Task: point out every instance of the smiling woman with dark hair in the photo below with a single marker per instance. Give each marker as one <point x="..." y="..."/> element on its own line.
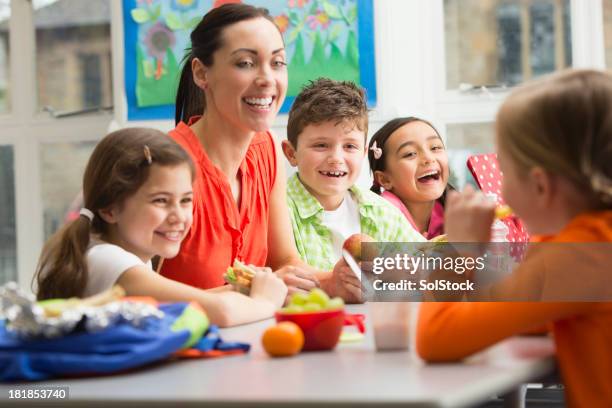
<point x="233" y="84"/>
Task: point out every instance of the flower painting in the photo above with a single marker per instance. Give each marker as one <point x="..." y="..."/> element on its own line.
<point x="323" y="38"/>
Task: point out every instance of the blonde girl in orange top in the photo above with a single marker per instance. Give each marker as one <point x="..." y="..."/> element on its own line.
<point x="554" y="143"/>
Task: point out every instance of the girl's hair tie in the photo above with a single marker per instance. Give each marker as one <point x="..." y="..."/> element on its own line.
<point x="87" y="214"/>
<point x="147" y="154"/>
<point x="377" y="151"/>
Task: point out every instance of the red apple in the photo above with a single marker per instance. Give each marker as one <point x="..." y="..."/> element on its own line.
<point x="353" y="245"/>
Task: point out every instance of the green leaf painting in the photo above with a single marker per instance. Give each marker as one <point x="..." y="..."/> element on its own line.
<point x="140" y="16"/>
<point x="321" y="40"/>
<point x="151" y="91"/>
<point x="332" y="10"/>
<point x="174" y="22"/>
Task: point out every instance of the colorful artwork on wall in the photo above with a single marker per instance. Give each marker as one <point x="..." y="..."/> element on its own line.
<point x="323" y="38"/>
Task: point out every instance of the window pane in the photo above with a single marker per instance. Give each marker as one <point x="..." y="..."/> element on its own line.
<point x="62" y="184"/>
<point x="505" y="42"/>
<point x="464" y="140"/>
<point x="8" y="237"/>
<point x="5" y="15"/>
<point x="73" y="54"/>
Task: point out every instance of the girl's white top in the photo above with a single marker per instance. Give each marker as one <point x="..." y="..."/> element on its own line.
<point x="105" y="264"/>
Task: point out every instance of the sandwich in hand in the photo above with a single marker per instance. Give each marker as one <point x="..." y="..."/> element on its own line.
<point x="240" y="276"/>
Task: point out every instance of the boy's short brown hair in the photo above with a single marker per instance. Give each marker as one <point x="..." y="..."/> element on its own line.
<point x="325" y="100"/>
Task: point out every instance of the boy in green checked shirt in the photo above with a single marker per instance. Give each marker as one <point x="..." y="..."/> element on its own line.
<point x="326" y="134"/>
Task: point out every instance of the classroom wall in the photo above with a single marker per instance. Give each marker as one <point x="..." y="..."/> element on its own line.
<point x="401" y="77"/>
<point x="411" y="70"/>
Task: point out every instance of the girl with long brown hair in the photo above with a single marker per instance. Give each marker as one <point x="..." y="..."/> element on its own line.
<point x="138" y="203"/>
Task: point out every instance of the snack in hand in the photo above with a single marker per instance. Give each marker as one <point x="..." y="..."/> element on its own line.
<point x="439" y="238"/>
<point x="502" y="212"/>
<point x="240" y="276"/>
<point x="353" y="245"/>
<point x="433" y="243"/>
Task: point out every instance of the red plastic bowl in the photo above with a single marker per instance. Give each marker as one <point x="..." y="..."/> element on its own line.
<point x="322" y="329"/>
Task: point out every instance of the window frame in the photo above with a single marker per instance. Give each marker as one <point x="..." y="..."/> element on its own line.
<point x="453" y="106"/>
<point x="26" y="130"/>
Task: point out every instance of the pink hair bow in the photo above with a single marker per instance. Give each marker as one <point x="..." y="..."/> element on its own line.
<point x="377" y="151"/>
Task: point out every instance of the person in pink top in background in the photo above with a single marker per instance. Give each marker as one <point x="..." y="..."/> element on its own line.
<point x="409" y="164"/>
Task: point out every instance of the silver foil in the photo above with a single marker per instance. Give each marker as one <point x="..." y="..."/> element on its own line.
<point x="27" y="319"/>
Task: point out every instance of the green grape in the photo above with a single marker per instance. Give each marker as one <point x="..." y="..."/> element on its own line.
<point x="318" y="296"/>
<point x="299" y="299"/>
<point x="292" y="309"/>
<point x="312" y="307"/>
<point x="335" y="303"/>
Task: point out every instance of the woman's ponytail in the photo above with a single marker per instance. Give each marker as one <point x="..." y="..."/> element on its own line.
<point x="62" y="268"/>
<point x="189" y="98"/>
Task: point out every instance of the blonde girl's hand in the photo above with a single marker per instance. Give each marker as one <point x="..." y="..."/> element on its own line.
<point x="267" y="286"/>
<point x="468" y="216"/>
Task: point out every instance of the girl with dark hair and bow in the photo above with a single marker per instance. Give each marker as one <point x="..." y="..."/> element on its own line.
<point x="409" y="165"/>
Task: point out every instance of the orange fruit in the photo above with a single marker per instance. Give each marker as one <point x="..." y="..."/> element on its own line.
<point x="283" y="339"/>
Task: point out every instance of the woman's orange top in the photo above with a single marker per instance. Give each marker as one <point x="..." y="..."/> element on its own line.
<point x="221" y="231"/>
<point x="582" y="330"/>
